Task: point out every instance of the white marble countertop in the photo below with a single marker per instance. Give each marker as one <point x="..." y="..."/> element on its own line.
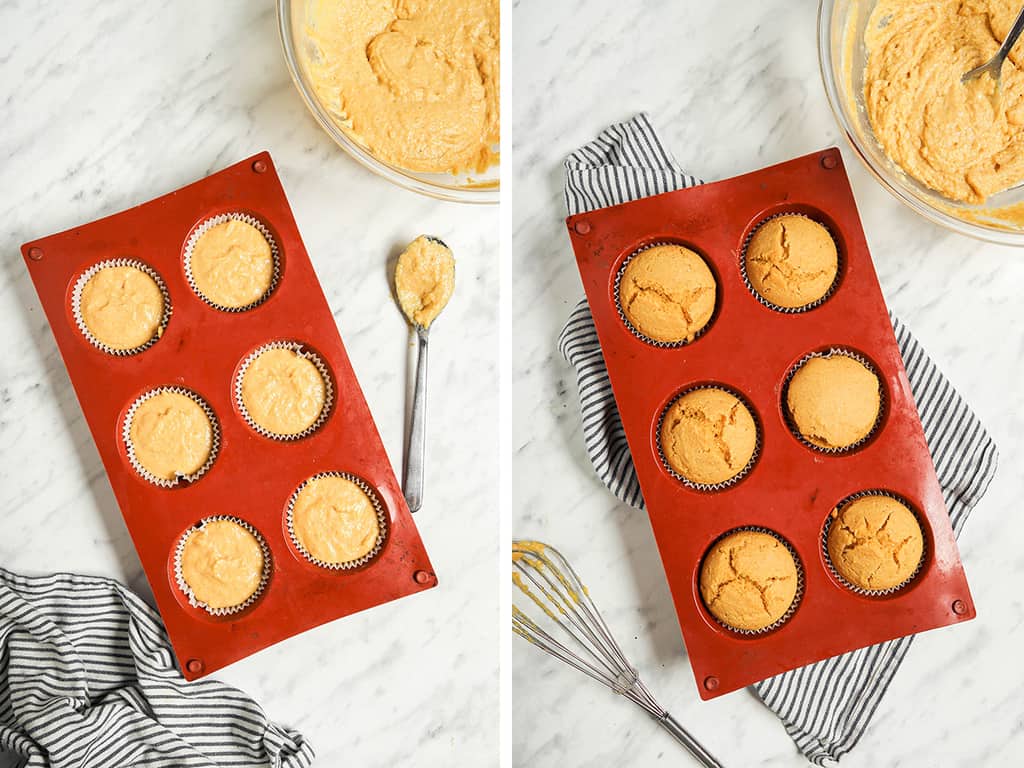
<point x="733" y="87"/>
<point x="106" y="105"/>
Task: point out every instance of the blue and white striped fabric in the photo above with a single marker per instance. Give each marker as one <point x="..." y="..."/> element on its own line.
<point x="87" y="680"/>
<point x="826" y="706"/>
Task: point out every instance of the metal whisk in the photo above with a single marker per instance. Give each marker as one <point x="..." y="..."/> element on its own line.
<point x="542" y="574"/>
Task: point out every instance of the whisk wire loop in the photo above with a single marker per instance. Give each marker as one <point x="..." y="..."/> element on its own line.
<point x="585" y="642"/>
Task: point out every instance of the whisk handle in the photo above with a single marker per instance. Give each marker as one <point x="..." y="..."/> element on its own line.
<point x="683" y="736"/>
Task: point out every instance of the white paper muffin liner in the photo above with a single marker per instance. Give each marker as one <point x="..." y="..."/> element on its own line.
<point x="204" y="227"/>
<point x="76" y="305"/>
<point x="791" y="422"/>
<point x="130" y="449"/>
<point x="829" y="519"/>
<point x="840" y="267"/>
<point x="382" y="523"/>
<point x="799" y="583"/>
<point x="186" y="590"/>
<point x="307" y="354"/>
<point x="709" y="487"/>
<point x="636" y="331"/>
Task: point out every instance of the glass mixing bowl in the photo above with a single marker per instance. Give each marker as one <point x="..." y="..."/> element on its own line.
<point x="475" y="188"/>
<point x="841" y="53"/>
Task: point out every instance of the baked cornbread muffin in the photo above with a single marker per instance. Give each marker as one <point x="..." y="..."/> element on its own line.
<point x="283" y="392"/>
<point x="334" y="520"/>
<point x="221" y="563"/>
<point x="875" y="542"/>
<point x="122" y="307"/>
<point x="834" y="401"/>
<point x="667" y="293"/>
<point x="170" y="435"/>
<point x="232" y="264"/>
<point x="424" y="279"/>
<point x="708" y="436"/>
<point x="749" y="580"/>
<point x="791" y="261"/>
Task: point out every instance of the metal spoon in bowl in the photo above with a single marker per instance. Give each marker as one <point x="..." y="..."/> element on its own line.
<point x="994" y="66"/>
<point x="424" y="281"/>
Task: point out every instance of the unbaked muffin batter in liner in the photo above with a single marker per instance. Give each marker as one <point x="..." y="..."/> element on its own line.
<point x="840" y="265"/>
<point x="636" y="331"/>
<point x="76" y="304"/>
<point x="708" y="487"/>
<point x="882" y="402"/>
<point x="130" y="451"/>
<point x="796" y="598"/>
<point x="208" y="224"/>
<point x="853" y="587"/>
<point x="382" y="523"/>
<point x="186" y="590"/>
<point x="307" y="354"/>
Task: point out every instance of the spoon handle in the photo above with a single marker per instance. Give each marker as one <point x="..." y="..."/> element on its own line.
<point x="1011" y="38"/>
<point x="415" y="454"/>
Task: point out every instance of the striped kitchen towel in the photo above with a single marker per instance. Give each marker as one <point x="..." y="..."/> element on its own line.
<point x="87" y="680"/>
<point x="825" y="706"/>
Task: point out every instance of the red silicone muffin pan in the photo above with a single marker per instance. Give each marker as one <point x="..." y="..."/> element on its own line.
<point x="252" y="477"/>
<point x="791" y="489"/>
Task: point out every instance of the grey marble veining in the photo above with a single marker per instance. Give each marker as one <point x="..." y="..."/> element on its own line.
<point x="733" y="87"/>
<point x="106" y="105"/>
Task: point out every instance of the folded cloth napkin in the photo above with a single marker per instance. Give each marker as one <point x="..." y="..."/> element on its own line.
<point x="87" y="679"/>
<point x="825" y="706"/>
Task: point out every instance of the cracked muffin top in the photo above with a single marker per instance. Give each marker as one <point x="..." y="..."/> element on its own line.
<point x="668" y="293"/>
<point x="791" y="261"/>
<point x="749" y="580"/>
<point x="875" y="542"/>
<point x="834" y="401"/>
<point x="708" y="436"/>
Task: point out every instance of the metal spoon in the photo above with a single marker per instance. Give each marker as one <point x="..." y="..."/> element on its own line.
<point x="994" y="66"/>
<point x="415" y="454"/>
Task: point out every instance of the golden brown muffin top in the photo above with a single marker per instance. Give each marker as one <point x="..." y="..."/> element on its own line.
<point x="875" y="542"/>
<point x="667" y="293"/>
<point x="791" y="261"/>
<point x="749" y="580"/>
<point x="708" y="436"/>
<point x="834" y="401"/>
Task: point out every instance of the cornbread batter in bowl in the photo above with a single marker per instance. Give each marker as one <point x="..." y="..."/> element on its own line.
<point x="667" y="293"/>
<point x="749" y="580"/>
<point x="121" y="307"/>
<point x="170" y="435"/>
<point x="875" y="542"/>
<point x="231" y="265"/>
<point x="414" y="82"/>
<point x="221" y="564"/>
<point x="963" y="140"/>
<point x="708" y="436"/>
<point x="424" y="279"/>
<point x="334" y="521"/>
<point x="283" y="392"/>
